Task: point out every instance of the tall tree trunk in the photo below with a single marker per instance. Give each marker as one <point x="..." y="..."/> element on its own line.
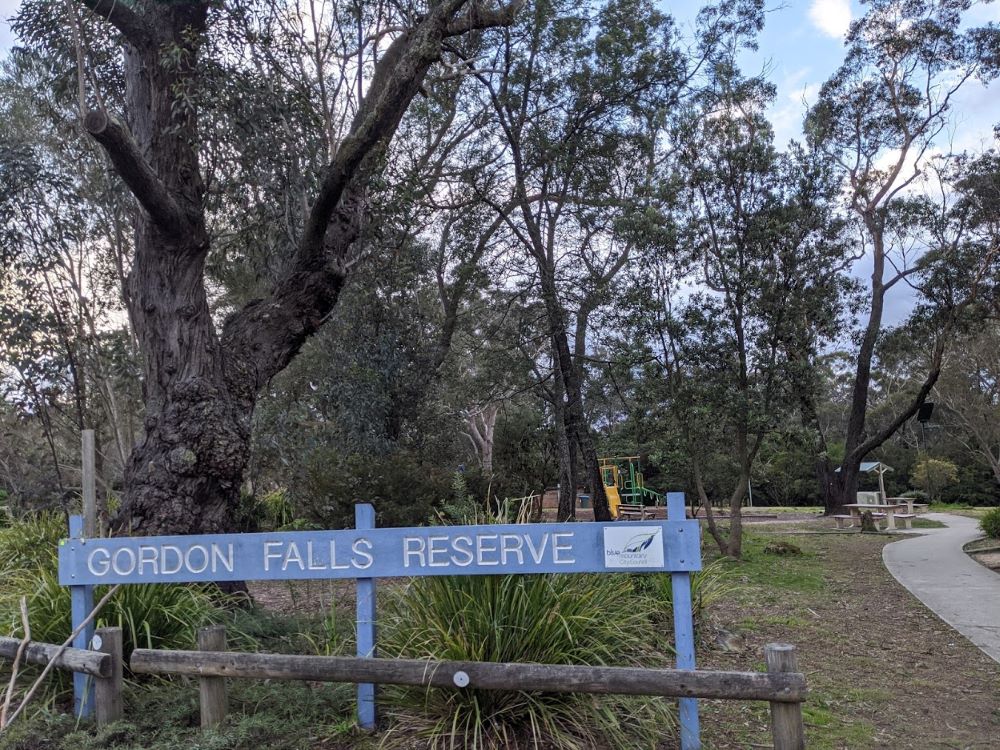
<point x="184" y="474"/>
<point x="201" y="386"/>
<point x="576" y="424"/>
<point x="566" y="450"/>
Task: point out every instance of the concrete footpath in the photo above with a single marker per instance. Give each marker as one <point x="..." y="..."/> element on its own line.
<point x="959" y="590"/>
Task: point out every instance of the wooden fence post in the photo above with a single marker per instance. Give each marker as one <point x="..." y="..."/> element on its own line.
<point x="684" y="646"/>
<point x="364" y="519"/>
<point x="81" y="605"/>
<point x="214" y="704"/>
<point x="786" y="718"/>
<point x="108" y="691"/>
<point x="89" y="484"/>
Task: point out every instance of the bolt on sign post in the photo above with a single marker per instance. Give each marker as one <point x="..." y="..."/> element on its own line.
<point x="367" y="553"/>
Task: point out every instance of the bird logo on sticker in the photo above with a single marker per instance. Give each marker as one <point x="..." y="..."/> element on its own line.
<point x="640" y="542"/>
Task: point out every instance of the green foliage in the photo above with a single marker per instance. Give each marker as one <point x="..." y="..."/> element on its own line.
<point x="30" y="542"/>
<point x="329" y="483"/>
<point x="542" y="619"/>
<point x="932" y="475"/>
<point x="276" y="508"/>
<point x="462" y="503"/>
<point x="151" y="616"/>
<point x="990" y="523"/>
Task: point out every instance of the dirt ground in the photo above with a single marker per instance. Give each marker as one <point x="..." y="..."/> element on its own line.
<point x="884" y="672"/>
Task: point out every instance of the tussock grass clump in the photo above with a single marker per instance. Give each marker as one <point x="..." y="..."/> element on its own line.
<point x="557" y="619"/>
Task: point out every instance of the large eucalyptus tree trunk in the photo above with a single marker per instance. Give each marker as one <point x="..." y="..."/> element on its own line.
<point x="201" y="384"/>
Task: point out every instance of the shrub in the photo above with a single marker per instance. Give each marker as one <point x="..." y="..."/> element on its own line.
<point x="990" y="523"/>
<point x="30" y="543"/>
<point x="933" y="475"/>
<point x="568" y="619"/>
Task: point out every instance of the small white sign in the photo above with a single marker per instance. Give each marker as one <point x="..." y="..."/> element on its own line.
<point x="629" y="546"/>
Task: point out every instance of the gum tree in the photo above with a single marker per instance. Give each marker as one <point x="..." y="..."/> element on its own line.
<point x="879" y="119"/>
<point x="202" y="379"/>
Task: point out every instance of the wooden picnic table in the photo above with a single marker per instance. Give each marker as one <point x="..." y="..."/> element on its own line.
<point x="890" y="511"/>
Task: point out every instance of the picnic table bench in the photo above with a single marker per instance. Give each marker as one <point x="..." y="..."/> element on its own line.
<point x="632" y="511"/>
<point x="890" y="512"/>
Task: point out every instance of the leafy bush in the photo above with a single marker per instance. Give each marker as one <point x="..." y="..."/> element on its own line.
<point x="990" y="523"/>
<point x="30" y="543"/>
<point x="572" y="619"/>
<point x="932" y="475"/>
<point x="328" y="484"/>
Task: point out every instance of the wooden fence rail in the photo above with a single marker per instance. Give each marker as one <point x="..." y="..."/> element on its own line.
<point x="104" y="665"/>
<point x="549" y="678"/>
<point x="782" y="686"/>
<point x="70" y="660"/>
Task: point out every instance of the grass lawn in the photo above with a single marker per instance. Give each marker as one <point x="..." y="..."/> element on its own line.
<point x="883" y="671"/>
<point x="972" y="511"/>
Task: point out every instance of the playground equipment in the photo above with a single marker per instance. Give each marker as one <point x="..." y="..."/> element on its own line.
<point x="624" y="484"/>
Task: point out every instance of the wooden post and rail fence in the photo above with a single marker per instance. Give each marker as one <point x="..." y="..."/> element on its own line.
<point x="782" y="685"/>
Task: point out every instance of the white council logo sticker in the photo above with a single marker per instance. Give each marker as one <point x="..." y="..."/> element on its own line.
<point x="630" y="546"/>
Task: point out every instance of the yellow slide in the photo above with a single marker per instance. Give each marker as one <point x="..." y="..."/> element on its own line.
<point x="614" y="500"/>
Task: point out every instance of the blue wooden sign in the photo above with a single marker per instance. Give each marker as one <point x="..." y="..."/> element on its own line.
<point x="385" y="553"/>
<point x="366" y="553"/>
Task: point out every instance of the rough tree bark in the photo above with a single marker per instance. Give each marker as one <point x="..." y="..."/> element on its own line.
<point x="201" y="384"/>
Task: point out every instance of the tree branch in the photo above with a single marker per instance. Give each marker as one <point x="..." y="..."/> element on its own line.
<point x="123" y="18"/>
<point x="262" y="338"/>
<point x="135" y="171"/>
<point x="479" y="17"/>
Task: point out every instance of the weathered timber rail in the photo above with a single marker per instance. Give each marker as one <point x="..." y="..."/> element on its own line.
<point x="549" y="678"/>
<point x="103" y="665"/>
<point x="70" y="660"/>
<point x="782" y="685"/>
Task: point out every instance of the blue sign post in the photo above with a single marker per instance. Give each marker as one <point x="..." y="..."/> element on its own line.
<point x="364" y="518"/>
<point x="366" y="553"/>
<point x="81" y="604"/>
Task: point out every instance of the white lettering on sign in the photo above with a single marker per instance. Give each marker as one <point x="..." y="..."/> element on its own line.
<point x="362" y="557"/>
<point x="511" y="544"/>
<point x="165" y="559"/>
<point x="413" y="546"/>
<point x="165" y="551"/>
<point x="558" y="549"/>
<point x="368" y="553"/>
<point x="462" y="556"/>
<point x="508" y="549"/>
<point x="317" y="557"/>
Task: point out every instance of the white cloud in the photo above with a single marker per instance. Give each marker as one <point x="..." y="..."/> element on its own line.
<point x="832" y="17"/>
